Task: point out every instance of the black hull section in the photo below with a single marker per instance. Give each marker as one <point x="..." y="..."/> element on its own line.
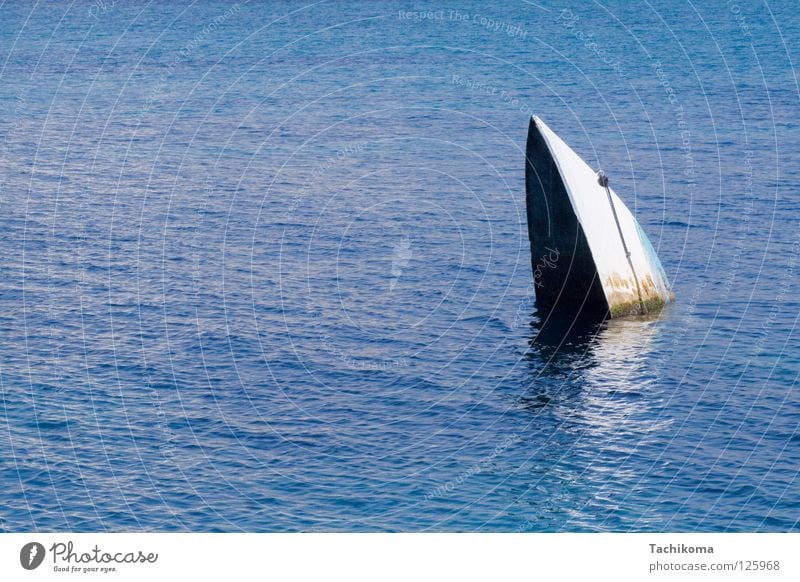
<point x="565" y="277"/>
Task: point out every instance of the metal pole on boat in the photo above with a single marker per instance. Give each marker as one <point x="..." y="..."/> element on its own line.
<point x="602" y="179"/>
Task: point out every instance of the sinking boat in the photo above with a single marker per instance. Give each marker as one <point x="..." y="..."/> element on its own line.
<point x="589" y="255"/>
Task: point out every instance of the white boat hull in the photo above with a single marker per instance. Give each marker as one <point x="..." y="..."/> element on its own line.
<point x="605" y="261"/>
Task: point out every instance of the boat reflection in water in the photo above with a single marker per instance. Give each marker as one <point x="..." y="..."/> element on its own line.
<point x="596" y="412"/>
<point x="608" y="358"/>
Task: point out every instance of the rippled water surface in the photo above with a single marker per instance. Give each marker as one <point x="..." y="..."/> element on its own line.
<point x="264" y="267"/>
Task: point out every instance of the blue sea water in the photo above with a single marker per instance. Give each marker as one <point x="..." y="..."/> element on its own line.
<point x="264" y="267"/>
